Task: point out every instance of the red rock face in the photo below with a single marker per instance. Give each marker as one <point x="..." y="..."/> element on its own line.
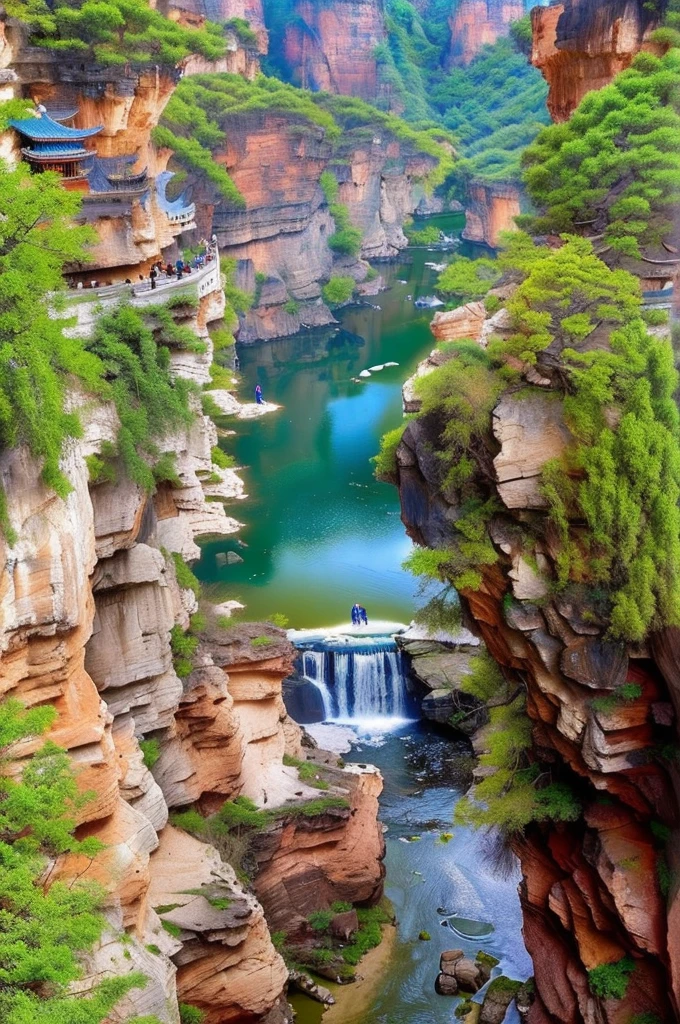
<point x="332" y="47"/>
<point x="581" y="45"/>
<point x="475" y="23"/>
<point x="602" y="887"/>
<point x="489" y="210"/>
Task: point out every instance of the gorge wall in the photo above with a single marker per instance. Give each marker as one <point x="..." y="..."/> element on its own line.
<point x="601" y="889"/>
<point x="580" y="45"/>
<point x="89" y="602"/>
<point x="476" y="23"/>
<point x="331" y="46"/>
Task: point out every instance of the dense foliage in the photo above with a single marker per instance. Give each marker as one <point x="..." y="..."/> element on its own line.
<point x="613" y="169"/>
<point x="36" y="358"/>
<point x="581" y="322"/>
<point x="115" y="31"/>
<point x="150" y="403"/>
<point x="45" y="929"/>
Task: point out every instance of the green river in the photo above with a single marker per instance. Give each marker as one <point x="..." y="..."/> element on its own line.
<point x="321" y="532"/>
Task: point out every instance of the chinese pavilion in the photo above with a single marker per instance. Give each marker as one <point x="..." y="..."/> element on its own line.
<point x="51" y="146"/>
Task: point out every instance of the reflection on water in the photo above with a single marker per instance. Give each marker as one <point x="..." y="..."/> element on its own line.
<point x="321" y="532"/>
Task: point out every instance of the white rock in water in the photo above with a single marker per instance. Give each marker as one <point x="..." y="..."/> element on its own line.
<point x="391" y="364"/>
<point x="365" y="373"/>
<point x="376" y="369"/>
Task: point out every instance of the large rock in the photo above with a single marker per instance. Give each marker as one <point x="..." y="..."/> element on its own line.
<point x="477" y="23"/>
<point x="581" y="45"/>
<point x="464" y="322"/>
<point x="531" y="431"/>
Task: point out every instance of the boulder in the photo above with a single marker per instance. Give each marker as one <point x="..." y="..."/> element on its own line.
<point x="446" y="985"/>
<point x="345" y="925"/>
<point x="468" y="975"/>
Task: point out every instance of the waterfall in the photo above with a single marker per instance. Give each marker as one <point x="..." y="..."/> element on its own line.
<point x="360" y="683"/>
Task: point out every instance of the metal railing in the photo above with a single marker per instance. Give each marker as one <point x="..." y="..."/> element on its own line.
<point x="206" y="279"/>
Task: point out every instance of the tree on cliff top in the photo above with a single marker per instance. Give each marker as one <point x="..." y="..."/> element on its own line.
<point x="115" y="31"/>
<point x="45" y="928"/>
<point x="37" y="239"/>
<point x="613" y="497"/>
<point x="613" y="169"/>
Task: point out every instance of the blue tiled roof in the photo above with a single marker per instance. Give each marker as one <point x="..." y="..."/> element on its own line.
<point x="58" y="149"/>
<point x="44" y="128"/>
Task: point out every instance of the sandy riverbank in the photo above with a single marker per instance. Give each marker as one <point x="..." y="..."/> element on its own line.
<point x="353" y="1001"/>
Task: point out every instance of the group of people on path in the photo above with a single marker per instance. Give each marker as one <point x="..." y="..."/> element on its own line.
<point x="182" y="266"/>
<point x="359" y="616"/>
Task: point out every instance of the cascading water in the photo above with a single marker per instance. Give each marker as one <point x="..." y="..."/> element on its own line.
<point x="361" y="684"/>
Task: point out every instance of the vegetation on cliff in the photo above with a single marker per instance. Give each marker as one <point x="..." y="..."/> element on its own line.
<point x="613" y="170"/>
<point x="45" y="928"/>
<point x="116" y="32"/>
<point x="582" y="324"/>
<point x="204" y="108"/>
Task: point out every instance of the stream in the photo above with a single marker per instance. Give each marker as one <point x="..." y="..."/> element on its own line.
<point x="321" y="534"/>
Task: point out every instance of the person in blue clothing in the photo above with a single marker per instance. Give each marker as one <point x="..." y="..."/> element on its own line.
<point x="363" y="617"/>
<point x="356" y="614"/>
<point x="258" y="394"/>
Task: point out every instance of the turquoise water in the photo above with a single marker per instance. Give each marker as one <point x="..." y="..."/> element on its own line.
<point x="321" y="532"/>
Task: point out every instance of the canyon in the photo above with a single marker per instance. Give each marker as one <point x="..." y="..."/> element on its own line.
<point x="95" y="586"/>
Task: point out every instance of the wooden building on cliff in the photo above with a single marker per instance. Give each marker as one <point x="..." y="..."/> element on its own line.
<point x="48" y="145"/>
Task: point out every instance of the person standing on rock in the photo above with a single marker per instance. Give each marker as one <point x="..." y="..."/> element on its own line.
<point x="258" y="395"/>
<point x="363" y="617"/>
<point x="356" y="614"/>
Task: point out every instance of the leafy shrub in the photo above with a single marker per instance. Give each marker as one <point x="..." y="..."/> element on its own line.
<point x="320" y="920"/>
<point x="185" y="577"/>
<point x="243" y="30"/>
<point x="46" y="929"/>
<point x="338" y="290"/>
<point x="278" y="619"/>
<point x="151" y="751"/>
<point x="386" y="459"/>
<point x="603" y="166"/>
<point x="610" y="981"/>
<point x="100" y="470"/>
<point x="222" y="459"/>
<point x="183" y="646"/>
<point x="424" y="936"/>
<point x="429" y="235"/>
<point x="469" y="279"/>
<point x="291" y="307"/>
<point x="485" y="680"/>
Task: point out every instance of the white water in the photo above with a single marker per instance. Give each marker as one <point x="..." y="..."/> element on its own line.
<point x="362" y="688"/>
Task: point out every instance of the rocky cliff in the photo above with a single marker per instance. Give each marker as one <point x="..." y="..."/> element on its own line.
<point x="283" y="232"/>
<point x="476" y="23"/>
<point x="489" y="210"/>
<point x="599" y="893"/>
<point x="92" y="600"/>
<point x="580" y="45"/>
<point x="331" y="46"/>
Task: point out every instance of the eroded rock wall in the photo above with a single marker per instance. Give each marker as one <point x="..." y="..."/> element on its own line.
<point x="580" y="45"/>
<point x="331" y="46"/>
<point x="602" y="888"/>
<point x="490" y="209"/>
<point x="477" y="23"/>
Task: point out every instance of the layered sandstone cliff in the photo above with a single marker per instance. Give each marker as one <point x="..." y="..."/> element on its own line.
<point x="580" y="45"/>
<point x="89" y="597"/>
<point x="490" y="209"/>
<point x="600" y="890"/>
<point x="331" y="46"/>
<point x="477" y="23"/>
<point x="276" y="163"/>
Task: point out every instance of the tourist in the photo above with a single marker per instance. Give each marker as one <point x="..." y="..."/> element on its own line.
<point x="169" y="270"/>
<point x="153" y="274"/>
<point x="258" y="395"/>
<point x="179" y="266"/>
<point x="363" y="617"/>
<point x="356" y="614"/>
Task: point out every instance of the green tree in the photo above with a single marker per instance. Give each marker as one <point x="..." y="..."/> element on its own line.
<point x="613" y="170"/>
<point x="37" y="239"/>
<point x="115" y="31"/>
<point x="44" y="928"/>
